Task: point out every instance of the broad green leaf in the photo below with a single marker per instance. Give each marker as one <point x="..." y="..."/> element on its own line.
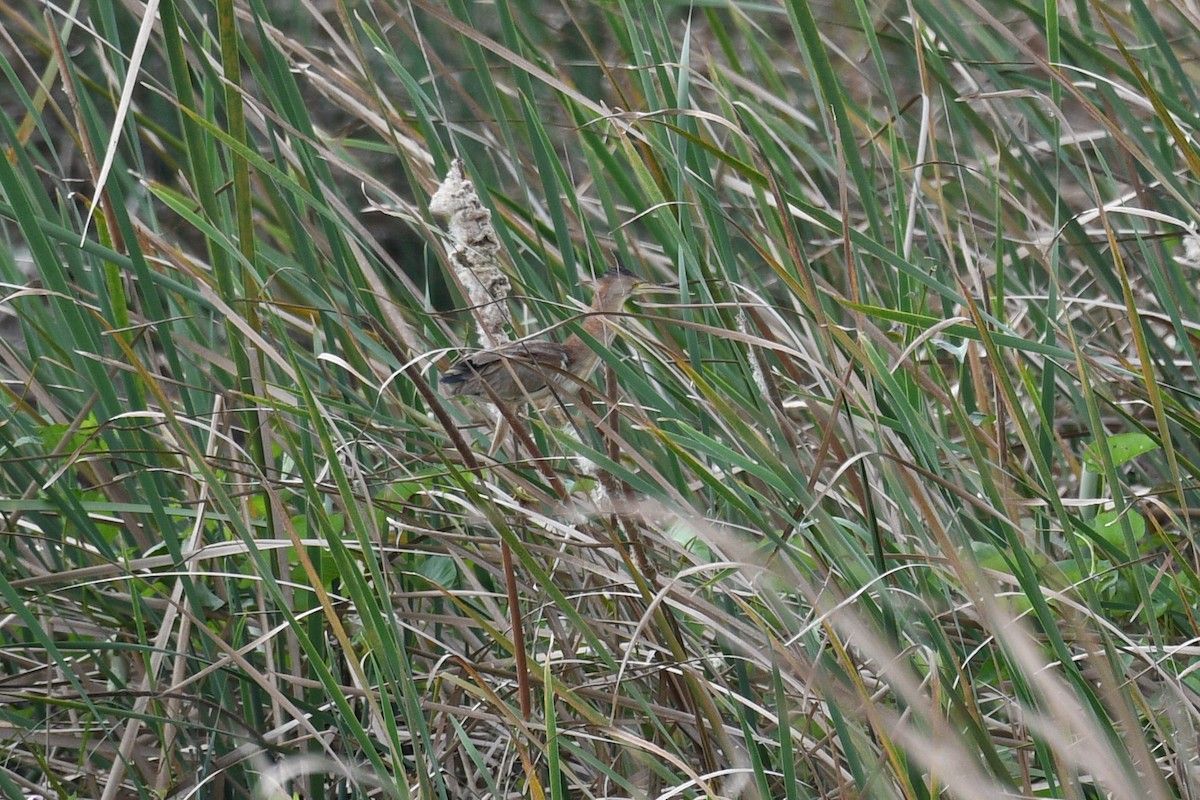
<point x="1108" y="527"/>
<point x="1122" y="447"/>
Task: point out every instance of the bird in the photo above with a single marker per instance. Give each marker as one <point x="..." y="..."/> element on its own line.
<point x="533" y="369"/>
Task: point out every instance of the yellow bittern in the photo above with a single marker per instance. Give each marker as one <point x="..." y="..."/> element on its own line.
<point x="532" y="370"/>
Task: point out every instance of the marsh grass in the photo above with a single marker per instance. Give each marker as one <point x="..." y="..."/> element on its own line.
<point x="893" y="499"/>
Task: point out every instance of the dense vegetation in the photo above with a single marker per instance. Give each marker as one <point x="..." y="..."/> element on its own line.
<point x="891" y="498"/>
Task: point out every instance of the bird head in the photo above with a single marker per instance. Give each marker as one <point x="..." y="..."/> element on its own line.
<point x="616" y="286"/>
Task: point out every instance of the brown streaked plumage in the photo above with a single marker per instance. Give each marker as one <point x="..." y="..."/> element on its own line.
<point x="534" y="369"/>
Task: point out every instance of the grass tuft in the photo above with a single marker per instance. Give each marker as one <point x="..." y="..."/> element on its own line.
<point x="894" y="497"/>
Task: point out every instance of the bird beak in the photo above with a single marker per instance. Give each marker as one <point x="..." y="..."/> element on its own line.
<point x="656" y="288"/>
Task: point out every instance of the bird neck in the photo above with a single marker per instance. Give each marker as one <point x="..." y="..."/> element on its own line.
<point x="599" y="322"/>
<point x="581" y="357"/>
<point x="599" y="327"/>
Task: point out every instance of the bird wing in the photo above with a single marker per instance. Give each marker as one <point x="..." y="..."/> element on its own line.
<point x="533" y="362"/>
